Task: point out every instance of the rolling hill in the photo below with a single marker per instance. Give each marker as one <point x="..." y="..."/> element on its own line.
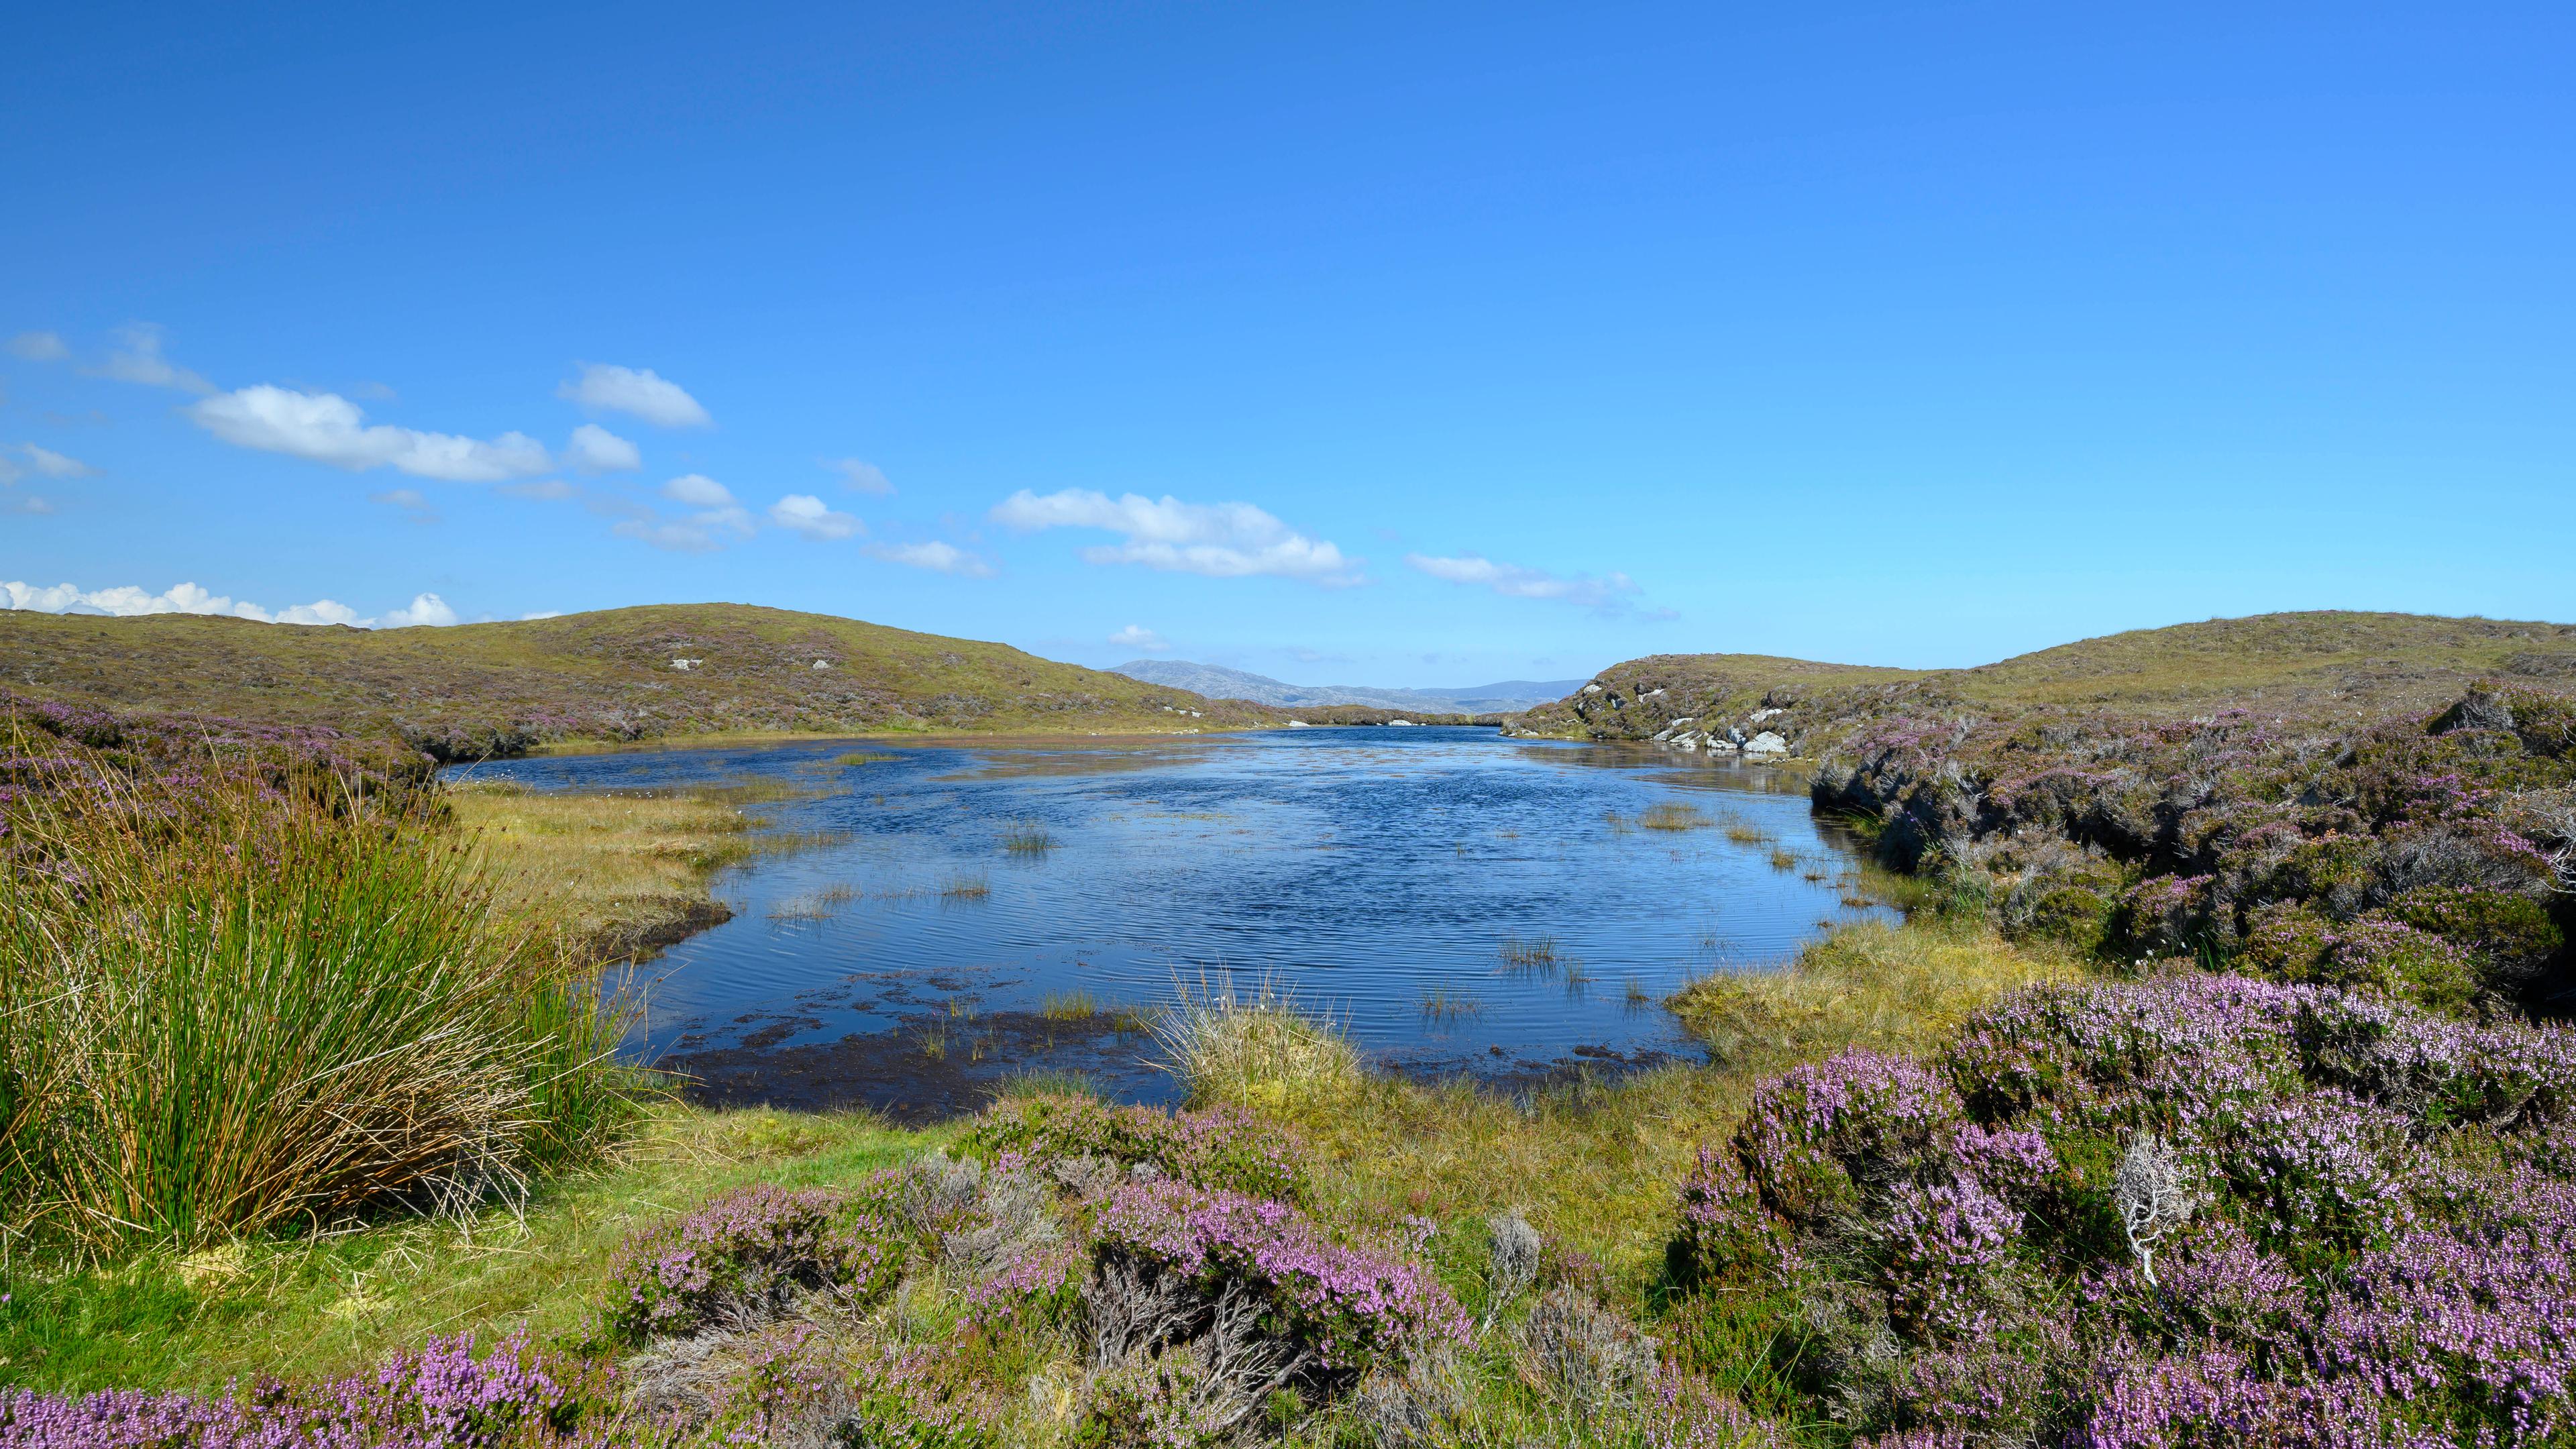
<point x="617" y="674"/>
<point x="1218" y="682"/>
<point x="2296" y="665"/>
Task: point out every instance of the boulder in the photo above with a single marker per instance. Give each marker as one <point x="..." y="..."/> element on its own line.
<point x="1766" y="743"/>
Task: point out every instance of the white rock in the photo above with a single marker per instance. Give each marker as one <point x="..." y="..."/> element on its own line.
<point x="1766" y="743"/>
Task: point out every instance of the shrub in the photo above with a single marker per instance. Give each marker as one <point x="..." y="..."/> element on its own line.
<point x="442" y="1395"/>
<point x="741" y="1258"/>
<point x="2511" y="934"/>
<point x="1344" y="1306"/>
<point x="1217" y="1147"/>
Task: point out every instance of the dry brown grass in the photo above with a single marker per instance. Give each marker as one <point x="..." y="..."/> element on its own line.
<point x="614" y="872"/>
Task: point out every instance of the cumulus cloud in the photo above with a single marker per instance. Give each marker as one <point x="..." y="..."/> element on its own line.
<point x="637" y="392"/>
<point x="39" y="346"/>
<point x="139" y="360"/>
<point x="25" y="503"/>
<point x="807" y="515"/>
<point x="425" y="610"/>
<point x="1220" y="540"/>
<point x="553" y="490"/>
<point x="861" y="477"/>
<point x="718" y="519"/>
<point x="1608" y="591"/>
<point x="127" y="600"/>
<point x="1137" y="636"/>
<point x="937" y="557"/>
<point x="53" y="464"/>
<point x="542" y="614"/>
<point x="328" y="428"/>
<point x="595" y="449"/>
<point x="699" y="489"/>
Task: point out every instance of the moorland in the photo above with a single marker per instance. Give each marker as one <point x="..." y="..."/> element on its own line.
<point x="2210" y="1092"/>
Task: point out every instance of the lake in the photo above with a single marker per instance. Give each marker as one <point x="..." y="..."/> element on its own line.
<point x="1456" y="901"/>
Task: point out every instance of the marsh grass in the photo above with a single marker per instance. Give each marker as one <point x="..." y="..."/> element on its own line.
<point x="226" y="1008"/>
<point x="1027" y="837"/>
<point x="1783" y="858"/>
<point x="1529" y="953"/>
<point x="864" y="757"/>
<point x="1441" y="1004"/>
<point x="1074" y="1005"/>
<point x="812" y="906"/>
<point x="1673" y="815"/>
<point x="966" y="888"/>
<point x="1742" y="833"/>
<point x="1261" y="1049"/>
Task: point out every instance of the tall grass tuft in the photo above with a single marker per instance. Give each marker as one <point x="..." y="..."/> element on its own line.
<point x="226" y="1007"/>
<point x="1260" y="1049"/>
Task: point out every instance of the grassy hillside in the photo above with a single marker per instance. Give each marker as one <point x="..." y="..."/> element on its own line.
<point x="487" y="688"/>
<point x="2303" y="664"/>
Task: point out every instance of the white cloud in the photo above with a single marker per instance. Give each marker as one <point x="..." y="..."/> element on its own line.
<point x="1137" y="636"/>
<point x="637" y="392"/>
<point x="1513" y="581"/>
<point x="126" y="600"/>
<point x="1220" y="540"/>
<point x="542" y="614"/>
<point x="863" y="477"/>
<point x="426" y="610"/>
<point x="700" y="532"/>
<point x="323" y="611"/>
<point x="328" y="428"/>
<point x="29" y="503"/>
<point x="140" y="360"/>
<point x="807" y="515"/>
<point x="937" y="557"/>
<point x="39" y="346"/>
<point x="53" y="464"/>
<point x="595" y="449"/>
<point x="699" y="489"/>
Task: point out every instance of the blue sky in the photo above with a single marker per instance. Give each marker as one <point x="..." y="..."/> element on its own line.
<point x="1383" y="344"/>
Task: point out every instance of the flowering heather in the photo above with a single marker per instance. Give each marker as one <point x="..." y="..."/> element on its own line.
<point x="1820" y="1134"/>
<point x="2374" y="1240"/>
<point x="743" y="1256"/>
<point x="1220" y="1147"/>
<point x="1345" y="1304"/>
<point x="442" y="1397"/>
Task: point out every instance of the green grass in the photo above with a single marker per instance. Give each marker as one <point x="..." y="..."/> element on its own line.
<point x="306" y="1305"/>
<point x="1529" y="953"/>
<point x="472" y="690"/>
<point x="224" y="1009"/>
<point x="1075" y="1005"/>
<point x="1027" y="837"/>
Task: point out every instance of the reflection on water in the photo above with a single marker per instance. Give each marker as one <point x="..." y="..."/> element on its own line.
<point x="1458" y="901"/>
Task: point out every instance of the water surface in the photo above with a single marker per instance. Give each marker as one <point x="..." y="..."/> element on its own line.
<point x="1457" y="901"/>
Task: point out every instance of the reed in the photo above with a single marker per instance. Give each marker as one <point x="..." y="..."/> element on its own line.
<point x="1027" y="837"/>
<point x="226" y="1007"/>
<point x="1529" y="953"/>
<point x="1673" y="815"/>
<point x="1074" y="1005"/>
<point x="966" y="888"/>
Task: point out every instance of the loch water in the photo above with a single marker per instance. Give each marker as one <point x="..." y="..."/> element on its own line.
<point x="1455" y="900"/>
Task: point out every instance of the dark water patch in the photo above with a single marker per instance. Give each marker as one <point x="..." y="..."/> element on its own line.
<point x="1400" y="880"/>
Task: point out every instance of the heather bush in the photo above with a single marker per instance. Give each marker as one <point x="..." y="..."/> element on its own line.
<point x="443" y="1395"/>
<point x="1215" y="1147"/>
<point x="2189" y="1210"/>
<point x="743" y="1257"/>
<point x="1344" y="1307"/>
<point x="2231" y="833"/>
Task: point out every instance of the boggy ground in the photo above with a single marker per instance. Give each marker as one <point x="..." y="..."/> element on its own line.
<point x="1938" y="1187"/>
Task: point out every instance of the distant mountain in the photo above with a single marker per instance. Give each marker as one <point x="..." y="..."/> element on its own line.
<point x="1217" y="682"/>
